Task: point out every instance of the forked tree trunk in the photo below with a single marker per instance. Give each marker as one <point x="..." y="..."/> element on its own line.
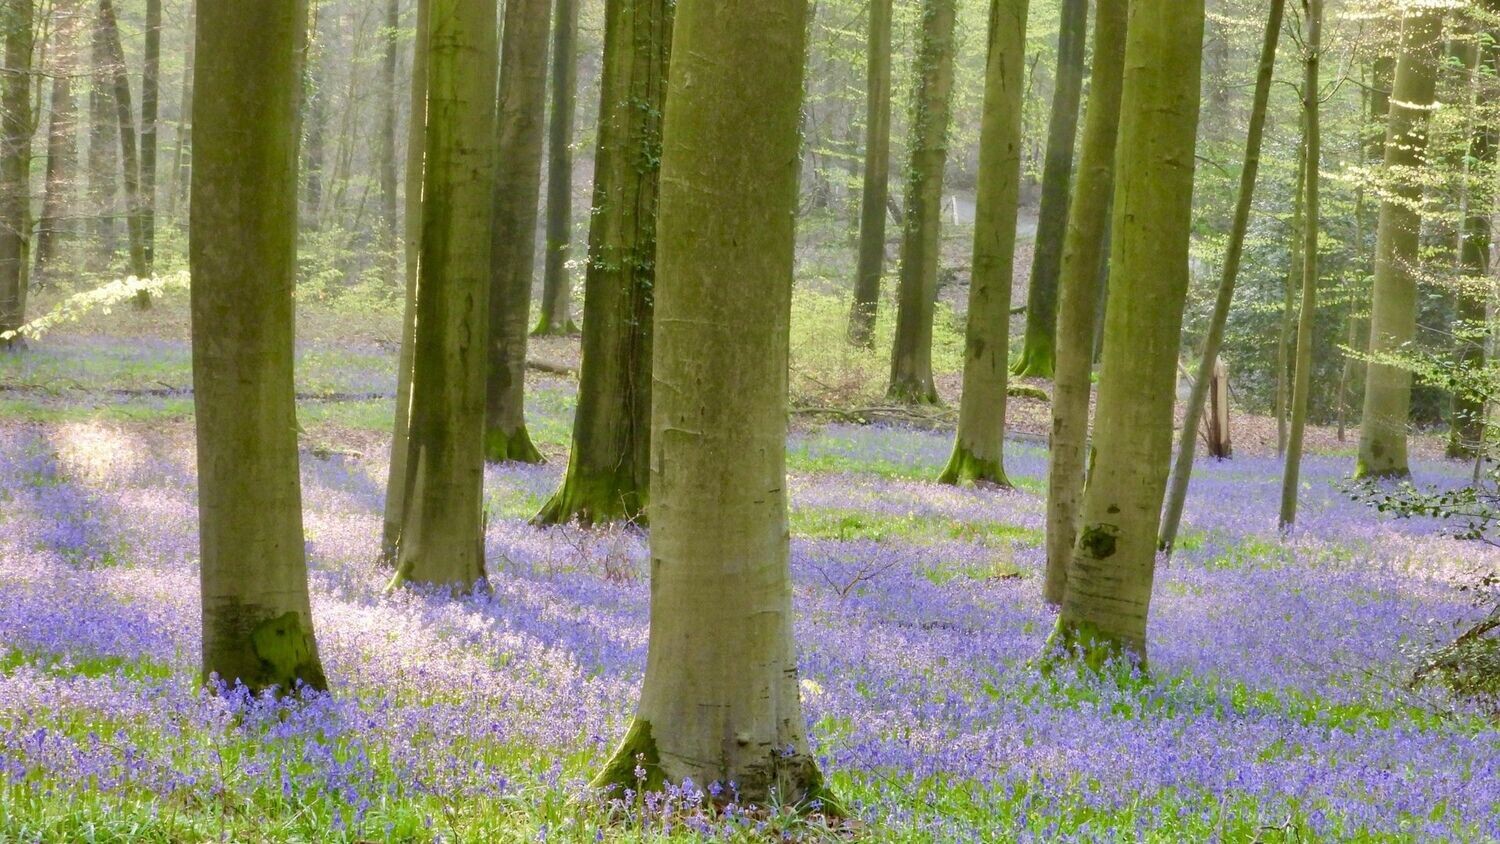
<point x="1080" y="291"/>
<point x="1302" y="381"/>
<point x="979" y="446"/>
<point x="557" y="288"/>
<point x="518" y="175"/>
<point x="1213" y="341"/>
<point x="877" y="176"/>
<point x="720" y="701"/>
<point x="442" y="532"/>
<point x="1109" y="580"/>
<point x="1393" y="312"/>
<point x="1038" y="347"/>
<point x="608" y="469"/>
<point x="911" y="357"/>
<point x="257" y="619"/>
<point x="15" y="165"/>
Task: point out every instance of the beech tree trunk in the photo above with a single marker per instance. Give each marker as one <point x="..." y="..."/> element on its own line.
<point x="315" y="103"/>
<point x="1109" y="579"/>
<point x="1038" y="349"/>
<point x="242" y="242"/>
<point x="1213" y="341"/>
<point x="182" y="156"/>
<point x="130" y="160"/>
<point x="1289" y="288"/>
<point x="1393" y="312"/>
<point x="62" y="138"/>
<point x="150" y="95"/>
<point x="877" y="176"/>
<point x="557" y="288"/>
<point x="720" y="700"/>
<point x="15" y="165"/>
<point x="979" y="446"/>
<point x="389" y="117"/>
<point x="442" y="533"/>
<point x="911" y="357"/>
<point x="1080" y="285"/>
<point x="104" y="180"/>
<point x="608" y="468"/>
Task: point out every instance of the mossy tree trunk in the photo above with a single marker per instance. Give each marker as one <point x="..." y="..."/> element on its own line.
<point x="15" y="164"/>
<point x="1393" y="311"/>
<point x="1079" y="292"/>
<point x="518" y="175"/>
<point x="1213" y="340"/>
<point x="557" y="288"/>
<point x="242" y="245"/>
<point x="416" y="139"/>
<point x="1039" y="345"/>
<point x="1466" y="432"/>
<point x="877" y="177"/>
<point x="1312" y="45"/>
<point x="979" y="446"/>
<point x="720" y="700"/>
<point x="1109" y="579"/>
<point x="442" y="533"/>
<point x="911" y="356"/>
<point x="608" y="468"/>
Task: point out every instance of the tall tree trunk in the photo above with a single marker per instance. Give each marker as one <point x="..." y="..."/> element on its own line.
<point x="15" y="165"/>
<point x="104" y="182"/>
<point x="979" y="446"/>
<point x="416" y="139"/>
<point x="1393" y="312"/>
<point x="62" y="139"/>
<point x="557" y="287"/>
<point x="1289" y="302"/>
<point x="1312" y="12"/>
<point x="1377" y="101"/>
<point x="1079" y="283"/>
<point x="130" y="163"/>
<point x="911" y="356"/>
<point x="1038" y="347"/>
<point x="877" y="177"/>
<point x="608" y="469"/>
<point x="315" y="106"/>
<point x="518" y="175"/>
<point x="1466" y="433"/>
<point x="257" y="619"/>
<point x="150" y="95"/>
<point x="182" y="156"/>
<point x="1109" y="579"/>
<point x="442" y="532"/>
<point x="1213" y="341"/>
<point x="720" y="701"/>
<point x="389" y="118"/>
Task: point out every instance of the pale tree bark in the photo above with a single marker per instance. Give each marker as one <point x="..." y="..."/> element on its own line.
<point x="720" y="701"/>
<point x="62" y="138"/>
<point x="1079" y="292"/>
<point x="150" y="96"/>
<point x="608" y="468"/>
<point x="1213" y="340"/>
<point x="442" y="532"/>
<point x="1038" y="347"/>
<point x="16" y="127"/>
<point x="257" y="618"/>
<point x="130" y="160"/>
<point x="877" y="176"/>
<point x="389" y="118"/>
<point x="1375" y="100"/>
<point x="1466" y="433"/>
<point x="1393" y="312"/>
<point x="557" y="287"/>
<point x="979" y="445"/>
<point x="103" y="158"/>
<point x="1312" y="46"/>
<point x="416" y="139"/>
<point x="518" y="175"/>
<point x="911" y="355"/>
<point x="1289" y="288"/>
<point x="1109" y="579"/>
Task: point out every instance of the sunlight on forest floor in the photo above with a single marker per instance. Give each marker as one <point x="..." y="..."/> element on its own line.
<point x="1278" y="707"/>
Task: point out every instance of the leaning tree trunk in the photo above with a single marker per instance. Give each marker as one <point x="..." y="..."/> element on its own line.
<point x="1393" y="312"/>
<point x="1109" y="580"/>
<point x="720" y="700"/>
<point x="1312" y="143"/>
<point x="62" y="146"/>
<point x="257" y="619"/>
<point x="15" y="166"/>
<point x="416" y="137"/>
<point x="1079" y="292"/>
<point x="608" y="469"/>
<point x="518" y="142"/>
<point x="1213" y="341"/>
<point x="876" y="177"/>
<point x="1038" y="347"/>
<point x="130" y="162"/>
<point x="1466" y="434"/>
<point x="150" y="95"/>
<point x="557" y="289"/>
<point x="911" y="356"/>
<point x="442" y="532"/>
<point x="979" y="446"/>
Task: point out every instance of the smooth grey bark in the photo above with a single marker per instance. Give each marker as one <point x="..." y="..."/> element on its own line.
<point x="877" y="177"/>
<point x="557" y="287"/>
<point x="15" y="165"/>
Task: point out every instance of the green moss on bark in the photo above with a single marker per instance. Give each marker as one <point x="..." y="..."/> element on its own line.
<point x="592" y="500"/>
<point x="285" y="647"/>
<point x="965" y="468"/>
<point x="636" y="750"/>
<point x="510" y="447"/>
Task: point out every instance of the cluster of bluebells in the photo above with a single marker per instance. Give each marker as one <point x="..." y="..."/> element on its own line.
<point x="1277" y="694"/>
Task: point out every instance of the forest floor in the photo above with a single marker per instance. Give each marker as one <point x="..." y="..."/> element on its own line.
<point x="1278" y="707"/>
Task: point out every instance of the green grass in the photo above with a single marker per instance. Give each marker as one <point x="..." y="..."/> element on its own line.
<point x="842" y="524"/>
